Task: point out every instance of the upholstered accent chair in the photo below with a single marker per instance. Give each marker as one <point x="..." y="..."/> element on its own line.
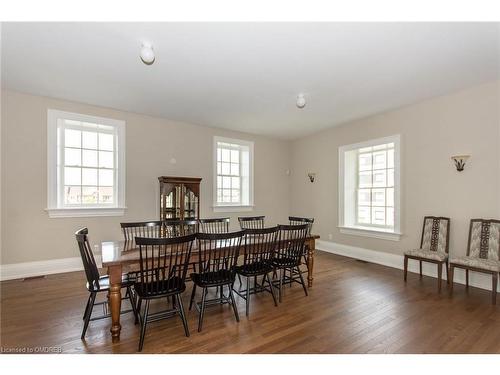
<point x="483" y="253"/>
<point x="434" y="245"/>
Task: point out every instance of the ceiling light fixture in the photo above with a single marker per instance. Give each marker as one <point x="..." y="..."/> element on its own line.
<point x="147" y="53"/>
<point x="301" y="101"/>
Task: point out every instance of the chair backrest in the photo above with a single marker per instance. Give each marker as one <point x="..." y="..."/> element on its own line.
<point x="151" y="229"/>
<point x="484" y="239"/>
<point x="295" y="220"/>
<point x="291" y="243"/>
<point x="163" y="260"/>
<point x="435" y="234"/>
<point x="176" y="227"/>
<point x="251" y="222"/>
<point x="89" y="263"/>
<point x="218" y="225"/>
<point x="218" y="252"/>
<point x="260" y="245"/>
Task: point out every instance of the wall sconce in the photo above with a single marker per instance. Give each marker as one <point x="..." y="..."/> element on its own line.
<point x="311" y="176"/>
<point x="460" y="161"/>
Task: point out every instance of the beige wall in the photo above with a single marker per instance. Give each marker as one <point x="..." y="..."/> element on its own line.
<point x="30" y="235"/>
<point x="431" y="131"/>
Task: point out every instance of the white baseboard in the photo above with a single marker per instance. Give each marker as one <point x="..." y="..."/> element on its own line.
<point x="476" y="279"/>
<point x="41" y="268"/>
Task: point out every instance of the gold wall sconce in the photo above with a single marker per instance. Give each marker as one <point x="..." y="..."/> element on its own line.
<point x="311" y="176"/>
<point x="459" y="161"/>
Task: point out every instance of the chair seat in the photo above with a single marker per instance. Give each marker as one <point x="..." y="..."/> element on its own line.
<point x="484" y="264"/>
<point x="256" y="268"/>
<point x="285" y="262"/>
<point x="427" y="254"/>
<point x="154" y="289"/>
<point x="207" y="279"/>
<point x="104" y="283"/>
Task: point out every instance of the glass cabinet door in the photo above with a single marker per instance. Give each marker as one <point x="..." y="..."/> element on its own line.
<point x="171" y="201"/>
<point x="191" y="201"/>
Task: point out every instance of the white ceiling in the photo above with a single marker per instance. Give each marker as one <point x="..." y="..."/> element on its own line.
<point x="245" y="76"/>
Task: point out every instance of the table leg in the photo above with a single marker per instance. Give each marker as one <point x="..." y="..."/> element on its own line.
<point x="310" y="261"/>
<point x="115" y="300"/>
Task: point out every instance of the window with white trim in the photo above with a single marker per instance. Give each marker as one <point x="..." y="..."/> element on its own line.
<point x="369" y="187"/>
<point x="233" y="180"/>
<point x="86" y="165"/>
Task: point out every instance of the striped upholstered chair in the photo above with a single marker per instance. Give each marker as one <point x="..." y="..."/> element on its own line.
<point x="434" y="245"/>
<point x="483" y="253"/>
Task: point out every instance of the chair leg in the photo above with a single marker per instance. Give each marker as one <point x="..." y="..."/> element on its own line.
<point x="247" y="307"/>
<point x="280" y="291"/>
<point x="233" y="302"/>
<point x="420" y="266"/>
<point x="405" y="268"/>
<point x="452" y="271"/>
<point x="447" y="273"/>
<point x="182" y="314"/>
<point x="440" y="275"/>
<point x="202" y="309"/>
<point x="87" y="306"/>
<point x="239" y="279"/>
<point x="144" y="321"/>
<point x="138" y="309"/>
<point x="89" y="314"/>
<point x="467" y="279"/>
<point x="192" y="297"/>
<point x="271" y="287"/>
<point x="494" y="284"/>
<point x="302" y="281"/>
<point x="132" y="302"/>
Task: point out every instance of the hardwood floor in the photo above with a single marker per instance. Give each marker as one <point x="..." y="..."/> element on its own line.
<point x="354" y="307"/>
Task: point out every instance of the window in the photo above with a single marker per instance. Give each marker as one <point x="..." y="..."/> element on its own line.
<point x="233" y="180"/>
<point x="369" y="188"/>
<point x="86" y="165"/>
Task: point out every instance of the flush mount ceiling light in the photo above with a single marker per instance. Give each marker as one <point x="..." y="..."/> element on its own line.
<point x="301" y="101"/>
<point x="147" y="53"/>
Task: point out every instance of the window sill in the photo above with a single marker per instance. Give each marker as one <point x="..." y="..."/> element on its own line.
<point x="373" y="233"/>
<point x="85" y="212"/>
<point x="233" y="208"/>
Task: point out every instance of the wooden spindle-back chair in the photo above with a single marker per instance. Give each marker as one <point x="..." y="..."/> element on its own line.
<point x="258" y="252"/>
<point x="163" y="268"/>
<point x="214" y="226"/>
<point x="97" y="283"/>
<point x="217" y="258"/>
<point x="251" y="222"/>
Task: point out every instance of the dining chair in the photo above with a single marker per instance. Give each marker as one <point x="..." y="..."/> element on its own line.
<point x="434" y="245"/>
<point x="483" y="253"/>
<point x="214" y="226"/>
<point x="251" y="222"/>
<point x="288" y="253"/>
<point x="97" y="283"/>
<point x="259" y="245"/>
<point x="162" y="274"/>
<point x="217" y="257"/>
<point x="153" y="229"/>
<point x="296" y="220"/>
<point x="177" y="227"/>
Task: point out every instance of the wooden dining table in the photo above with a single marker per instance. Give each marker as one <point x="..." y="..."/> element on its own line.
<point x="119" y="256"/>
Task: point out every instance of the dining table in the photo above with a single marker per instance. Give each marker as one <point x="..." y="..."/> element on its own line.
<point x="120" y="256"/>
